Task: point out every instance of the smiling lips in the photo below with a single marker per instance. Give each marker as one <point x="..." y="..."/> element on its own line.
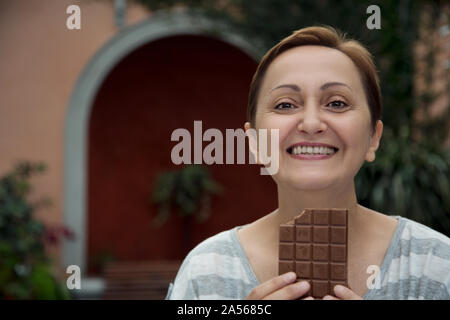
<point x="311" y="151"/>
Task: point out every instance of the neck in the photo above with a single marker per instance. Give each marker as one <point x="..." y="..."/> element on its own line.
<point x="292" y="202"/>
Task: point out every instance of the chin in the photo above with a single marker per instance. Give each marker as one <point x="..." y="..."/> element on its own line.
<point x="308" y="182"/>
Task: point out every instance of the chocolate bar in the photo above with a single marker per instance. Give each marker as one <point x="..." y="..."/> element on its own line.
<point x="314" y="246"/>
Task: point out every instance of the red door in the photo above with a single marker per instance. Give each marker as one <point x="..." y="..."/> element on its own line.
<point x="162" y="86"/>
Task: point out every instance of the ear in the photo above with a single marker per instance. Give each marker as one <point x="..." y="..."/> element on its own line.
<point x="374" y="141"/>
<point x="252" y="141"/>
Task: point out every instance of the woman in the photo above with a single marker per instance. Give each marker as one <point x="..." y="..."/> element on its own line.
<point x="321" y="92"/>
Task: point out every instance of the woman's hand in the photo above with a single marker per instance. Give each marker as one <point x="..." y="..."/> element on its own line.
<point x="282" y="287"/>
<point x="342" y="293"/>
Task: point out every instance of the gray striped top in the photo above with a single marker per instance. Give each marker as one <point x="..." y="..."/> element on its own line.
<point x="416" y="266"/>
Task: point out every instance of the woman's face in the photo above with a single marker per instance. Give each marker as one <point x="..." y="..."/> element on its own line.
<point x="314" y="95"/>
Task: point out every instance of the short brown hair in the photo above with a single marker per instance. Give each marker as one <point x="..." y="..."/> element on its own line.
<point x="328" y="37"/>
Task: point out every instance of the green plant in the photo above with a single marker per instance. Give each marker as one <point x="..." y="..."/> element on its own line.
<point x="187" y="190"/>
<point x="409" y="179"/>
<point x="25" y="269"/>
<point x="101" y="259"/>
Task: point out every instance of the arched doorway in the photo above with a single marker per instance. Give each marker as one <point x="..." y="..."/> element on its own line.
<point x="162" y="86"/>
<point x="149" y="80"/>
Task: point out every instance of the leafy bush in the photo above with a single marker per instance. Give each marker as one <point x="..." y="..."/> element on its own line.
<point x="408" y="179"/>
<point x="25" y="269"/>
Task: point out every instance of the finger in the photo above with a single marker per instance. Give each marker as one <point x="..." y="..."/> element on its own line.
<point x="290" y="292"/>
<point x="308" y="298"/>
<point x="272" y="285"/>
<point x="345" y="293"/>
<point x="328" y="297"/>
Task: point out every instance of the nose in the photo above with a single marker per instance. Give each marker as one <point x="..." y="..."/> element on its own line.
<point x="310" y="121"/>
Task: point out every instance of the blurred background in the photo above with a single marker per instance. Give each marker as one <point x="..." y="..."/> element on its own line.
<point x="86" y="117"/>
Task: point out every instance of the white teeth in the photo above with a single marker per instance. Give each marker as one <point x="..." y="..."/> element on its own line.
<point x="311" y="150"/>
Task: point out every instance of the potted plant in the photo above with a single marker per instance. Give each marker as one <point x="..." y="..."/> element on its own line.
<point x="188" y="191"/>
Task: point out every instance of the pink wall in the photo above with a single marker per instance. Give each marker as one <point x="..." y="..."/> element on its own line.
<point x="40" y="62"/>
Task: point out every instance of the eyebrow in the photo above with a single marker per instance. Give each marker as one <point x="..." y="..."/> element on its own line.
<point x="332" y="84"/>
<point x="290" y="86"/>
<point x="322" y="87"/>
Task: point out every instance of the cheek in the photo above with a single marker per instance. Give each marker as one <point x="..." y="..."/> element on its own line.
<point x="355" y="138"/>
<point x="284" y="125"/>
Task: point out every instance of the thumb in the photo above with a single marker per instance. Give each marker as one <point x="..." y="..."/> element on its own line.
<point x="345" y="293"/>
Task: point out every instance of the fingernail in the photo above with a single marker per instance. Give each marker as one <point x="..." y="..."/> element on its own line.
<point x="290" y="276"/>
<point x="303" y="285"/>
<point x="338" y="289"/>
<point x="327" y="297"/>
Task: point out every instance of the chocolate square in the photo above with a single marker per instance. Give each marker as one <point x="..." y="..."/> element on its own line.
<point x="320" y="270"/>
<point x="338" y="217"/>
<point x="320" y="234"/>
<point x="303" y="234"/>
<point x="303" y="251"/>
<point x="338" y="234"/>
<point x="320" y="217"/>
<point x="287" y="233"/>
<point x="338" y="253"/>
<point x="286" y="251"/>
<point x="303" y="270"/>
<point x="338" y="271"/>
<point x="286" y="266"/>
<point x="320" y="252"/>
<point x="320" y="288"/>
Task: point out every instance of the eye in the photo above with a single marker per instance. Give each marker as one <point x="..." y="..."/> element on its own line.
<point x="337" y="104"/>
<point x="284" y="105"/>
